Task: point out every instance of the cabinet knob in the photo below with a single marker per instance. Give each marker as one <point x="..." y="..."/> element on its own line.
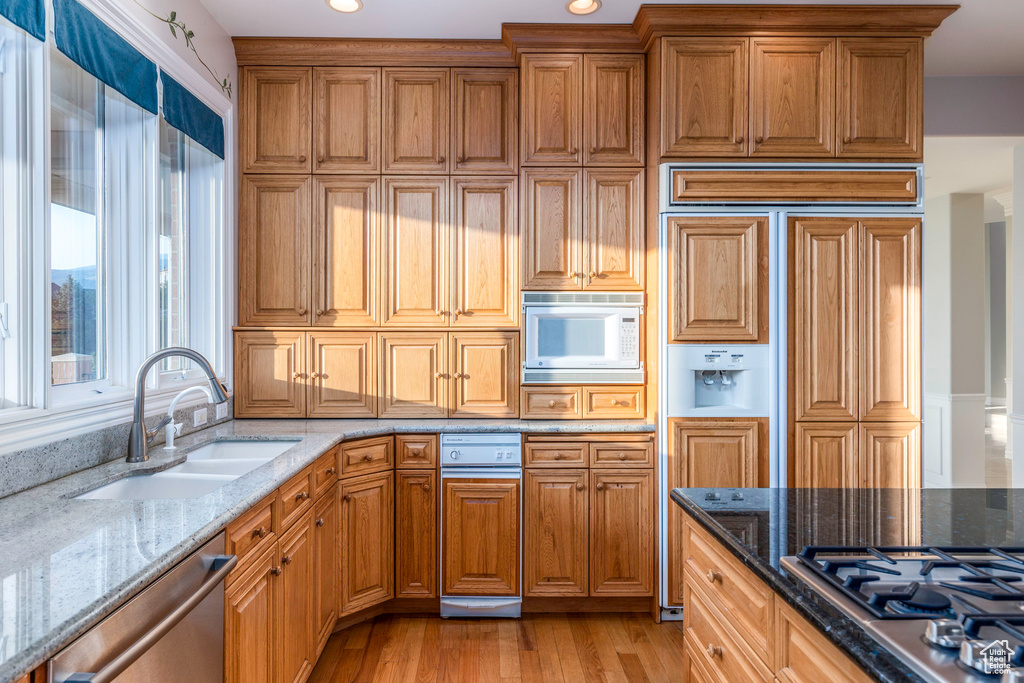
<point x="299" y="497"/>
<point x="314" y="375"/>
<point x="574" y="151"/>
<point x="847" y="140"/>
<point x="440" y="160"/>
<point x="600" y="487"/>
<point x="461" y="159"/>
<point x="302" y="158"/>
<point x="580" y="486"/>
<point x="457" y="375"/>
<point x="593" y="274"/>
<point x="593" y="150"/>
<point x="439" y="375"/>
<point x="287" y="559"/>
<point x="558" y="456"/>
<point x="347" y="497"/>
<point x="459" y="311"/>
<point x="574" y="274"/>
<point x="415" y="451"/>
<point x="332" y="470"/>
<point x="739" y="140"/>
<point x="441" y="313"/>
<point x="426" y="487"/>
<point x="319" y="312"/>
<point x="276" y="571"/>
<point x="551" y="404"/>
<point x="319" y="158"/>
<point x="260" y="533"/>
<point x="368" y="457"/>
<point x="714" y="576"/>
<point x="319" y="521"/>
<point x="759" y="139"/>
<point x="714" y="650"/>
<point x="296" y="375"/>
<point x="301" y="311"/>
<point x="622" y="456"/>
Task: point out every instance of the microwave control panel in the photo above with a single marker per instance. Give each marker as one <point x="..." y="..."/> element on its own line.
<point x="629" y="341"/>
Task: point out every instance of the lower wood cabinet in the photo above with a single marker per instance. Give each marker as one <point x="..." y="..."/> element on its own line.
<point x="295" y="637"/>
<point x="826" y="455"/>
<point x="715" y="453"/>
<point x="622" y="535"/>
<point x="475" y="509"/>
<point x="890" y="454"/>
<point x="856" y="454"/>
<point x="250" y="622"/>
<point x="325" y="551"/>
<point x="556" y="535"/>
<point x="803" y="655"/>
<point x="366" y="507"/>
<point x="416" y="557"/>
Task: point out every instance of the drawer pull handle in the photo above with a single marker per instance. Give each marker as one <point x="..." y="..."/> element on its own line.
<point x="299" y="497"/>
<point x="600" y="487"/>
<point x="714" y="576"/>
<point x="622" y="456"/>
<point x="319" y="521"/>
<point x="558" y="456"/>
<point x="551" y="404"/>
<point x="426" y="487"/>
<point x="415" y="451"/>
<point x="580" y="486"/>
<point x="276" y="571"/>
<point x="714" y="651"/>
<point x="332" y="470"/>
<point x="287" y="559"/>
<point x="261" y="532"/>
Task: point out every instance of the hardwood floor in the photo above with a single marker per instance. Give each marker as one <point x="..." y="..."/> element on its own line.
<point x="538" y="647"/>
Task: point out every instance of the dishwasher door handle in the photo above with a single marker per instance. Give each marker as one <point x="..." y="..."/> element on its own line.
<point x="222" y="566"/>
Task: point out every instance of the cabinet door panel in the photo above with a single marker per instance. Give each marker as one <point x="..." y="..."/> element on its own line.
<point x="719" y="279"/>
<point x="621" y="532"/>
<point x="890" y="454"/>
<point x="296" y="639"/>
<point x="343" y="374"/>
<point x="415" y="377"/>
<point x="415" y="251"/>
<point x="713" y="453"/>
<point x="803" y="654"/>
<point x="826" y="455"/>
<point x="890" y="319"/>
<point x="552" y="229"/>
<point x="613" y="110"/>
<point x="477" y="509"/>
<point x="274" y="250"/>
<point x="792" y="97"/>
<point x="346" y="251"/>
<point x="485" y="369"/>
<point x="880" y="92"/>
<point x="485" y="252"/>
<point x="614" y="232"/>
<point x="552" y="95"/>
<point x="250" y="623"/>
<point x="555" y="540"/>
<point x="416" y="532"/>
<point x="486" y="120"/>
<point x="416" y="125"/>
<point x="416" y="451"/>
<point x="824" y="298"/>
<point x="270" y="369"/>
<point x="346" y="120"/>
<point x="704" y="97"/>
<point x="275" y="121"/>
<point x="325" y="584"/>
<point x="367" y="540"/>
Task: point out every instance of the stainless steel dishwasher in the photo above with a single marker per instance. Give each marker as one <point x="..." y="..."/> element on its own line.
<point x="171" y="631"/>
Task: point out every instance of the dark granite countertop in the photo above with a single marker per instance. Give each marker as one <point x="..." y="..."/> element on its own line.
<point x="768" y="524"/>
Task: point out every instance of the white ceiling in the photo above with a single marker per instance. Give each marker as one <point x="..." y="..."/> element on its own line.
<point x="983" y="37"/>
<point x="968" y="164"/>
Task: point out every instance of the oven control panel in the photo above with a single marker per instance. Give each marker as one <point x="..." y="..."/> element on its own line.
<point x="481" y="450"/>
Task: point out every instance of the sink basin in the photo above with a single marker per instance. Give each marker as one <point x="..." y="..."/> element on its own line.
<point x="245" y="450"/>
<point x="233" y="466"/>
<point x="169" y="484"/>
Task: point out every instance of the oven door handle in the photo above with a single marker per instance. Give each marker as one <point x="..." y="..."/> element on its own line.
<point x="222" y="566"/>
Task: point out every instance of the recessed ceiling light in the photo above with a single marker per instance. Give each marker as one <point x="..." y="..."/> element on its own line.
<point x="583" y="6"/>
<point x="346" y="6"/>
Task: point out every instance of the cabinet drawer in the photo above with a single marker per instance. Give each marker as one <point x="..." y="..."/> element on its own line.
<point x="552" y="403"/>
<point x="741" y="596"/>
<point x="613" y="403"/>
<point x="624" y="454"/>
<point x="325" y="471"/>
<point x="557" y="454"/>
<point x="804" y="655"/>
<point x="416" y="451"/>
<point x="366" y="455"/>
<point x="294" y="498"/>
<point x="253" y="530"/>
<point x="719" y="651"/>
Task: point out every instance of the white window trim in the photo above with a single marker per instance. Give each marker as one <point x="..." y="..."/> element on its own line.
<point x="32" y="426"/>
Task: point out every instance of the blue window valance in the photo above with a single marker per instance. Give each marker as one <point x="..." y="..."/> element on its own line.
<point x="28" y="14"/>
<point x="187" y="113"/>
<point x="95" y="47"/>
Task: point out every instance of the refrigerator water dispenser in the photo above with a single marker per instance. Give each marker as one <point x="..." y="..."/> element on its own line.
<point x="718" y="381"/>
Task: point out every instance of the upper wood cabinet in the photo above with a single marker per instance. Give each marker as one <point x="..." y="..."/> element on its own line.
<point x="824" y="266"/>
<point x="552" y="94"/>
<point x="880" y="93"/>
<point x="485" y="136"/>
<point x="346" y="251"/>
<point x="718" y="270"/>
<point x="552" y="228"/>
<point x="346" y="120"/>
<point x="484" y="252"/>
<point x="274" y="241"/>
<point x="416" y="525"/>
<point x="484" y="371"/>
<point x="326" y="536"/>
<point x="713" y="453"/>
<point x="792" y="97"/>
<point x="296" y="642"/>
<point x="416" y="125"/>
<point x="613" y="232"/>
<point x="342" y="374"/>
<point x="622" y="536"/>
<point x="415" y="251"/>
<point x="275" y="114"/>
<point x="473" y="510"/>
<point x="270" y="371"/>
<point x="826" y="455"/>
<point x="555" y="534"/>
<point x="367" y="510"/>
<point x="613" y="110"/>
<point x="704" y="97"/>
<point x="414" y="378"/>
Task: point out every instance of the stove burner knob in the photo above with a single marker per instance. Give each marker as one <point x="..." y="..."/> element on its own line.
<point x="945" y="633"/>
<point x="973" y="654"/>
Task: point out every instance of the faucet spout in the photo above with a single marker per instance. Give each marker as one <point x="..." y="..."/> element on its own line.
<point x="138" y="438"/>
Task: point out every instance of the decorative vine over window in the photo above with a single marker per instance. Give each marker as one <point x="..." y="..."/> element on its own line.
<point x="175" y="25"/>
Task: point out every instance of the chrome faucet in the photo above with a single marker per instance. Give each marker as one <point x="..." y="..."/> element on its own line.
<point x="138" y="438"/>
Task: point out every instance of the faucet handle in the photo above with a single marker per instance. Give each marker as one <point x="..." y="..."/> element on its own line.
<point x="150" y="435"/>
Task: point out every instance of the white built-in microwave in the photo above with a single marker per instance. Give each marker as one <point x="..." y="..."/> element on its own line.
<point x="582" y="337"/>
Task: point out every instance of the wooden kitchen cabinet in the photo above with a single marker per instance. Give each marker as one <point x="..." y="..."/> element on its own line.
<point x="270" y="371"/>
<point x="704" y="97"/>
<point x="556" y="535"/>
<point x="485" y="121"/>
<point x="613" y="233"/>
<point x="325" y="579"/>
<point x="792" y="97"/>
<point x="880" y="91"/>
<point x="296" y="642"/>
<point x="274" y="242"/>
<point x="416" y="251"/>
<point x="803" y="655"/>
<point x="613" y="110"/>
<point x="718" y="270"/>
<point x="342" y="374"/>
<point x="416" y="126"/>
<point x="346" y="251"/>
<point x="414" y="374"/>
<point x="416" y="451"/>
<point x="552" y="228"/>
<point x="275" y="119"/>
<point x="552" y="102"/>
<point x="548" y="402"/>
<point x="366" y="507"/>
<point x="708" y="633"/>
<point x="826" y="455"/>
<point x="416" y="558"/>
<point x="366" y="456"/>
<point x="250" y="623"/>
<point x="714" y="453"/>
<point x="890" y="454"/>
<point x="622" y="536"/>
<point x="484" y="252"/>
<point x="346" y="120"/>
<point x="472" y="510"/>
<point x="485" y="378"/>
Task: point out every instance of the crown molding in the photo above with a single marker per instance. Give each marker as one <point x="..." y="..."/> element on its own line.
<point x="253" y="51"/>
<point x="605" y="38"/>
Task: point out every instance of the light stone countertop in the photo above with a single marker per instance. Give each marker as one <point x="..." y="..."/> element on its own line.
<point x="65" y="563"/>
